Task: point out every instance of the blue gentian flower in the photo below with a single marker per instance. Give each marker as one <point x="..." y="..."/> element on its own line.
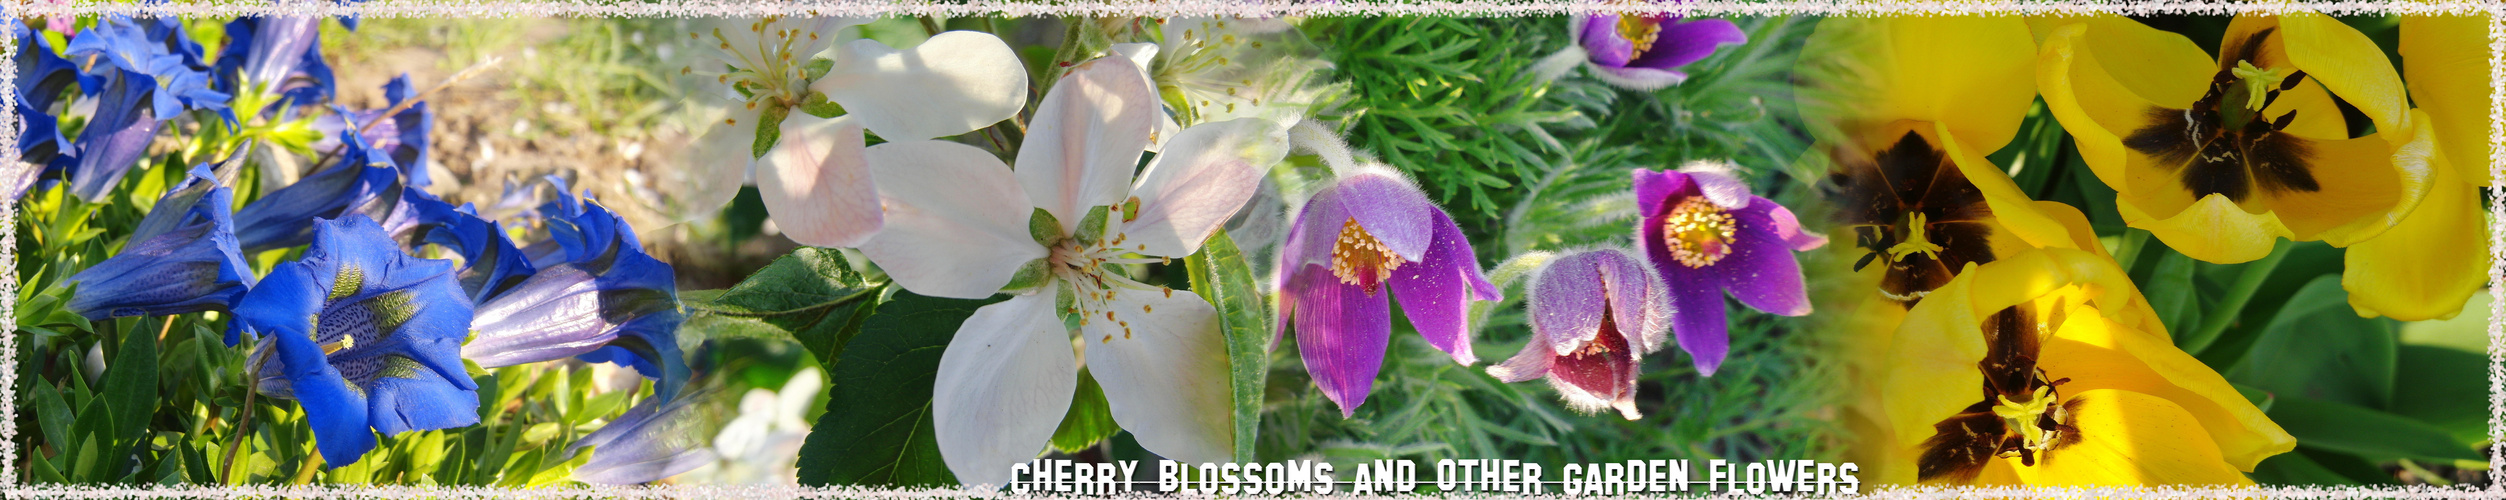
<point x="658" y="438"/>
<point x="490" y="262"/>
<point x="403" y="136"/>
<point x="182" y="259"/>
<point x="363" y="180"/>
<point x="40" y="149"/>
<point x="604" y="300"/>
<point x="282" y="55"/>
<point x="146" y="72"/>
<point x="41" y="75"/>
<point x="364" y="336"/>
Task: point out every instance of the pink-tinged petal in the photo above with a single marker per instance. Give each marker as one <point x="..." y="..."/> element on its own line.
<point x="1639" y="301"/>
<point x="1311" y="236"/>
<point x="816" y="183"/>
<point x="1141" y="56"/>
<point x="1163" y="364"/>
<point x="1684" y="42"/>
<point x="954" y="83"/>
<point x="1436" y="293"/>
<point x="1788" y="227"/>
<point x="1530" y="363"/>
<point x="1655" y="189"/>
<point x="1637" y="79"/>
<point x="1391" y="209"/>
<point x="1568" y="299"/>
<point x="1717" y="183"/>
<point x="1004" y="384"/>
<point x="1697" y="316"/>
<point x="1341" y="332"/>
<point x="956" y="219"/>
<point x="1086" y="139"/>
<point x="1600" y="38"/>
<point x="1761" y="271"/>
<point x="1204" y="176"/>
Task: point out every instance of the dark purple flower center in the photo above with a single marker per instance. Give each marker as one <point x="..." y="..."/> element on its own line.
<point x="1359" y="259"/>
<point x="1698" y="232"/>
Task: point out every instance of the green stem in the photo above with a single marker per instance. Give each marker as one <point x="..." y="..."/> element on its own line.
<point x="2233" y="306"/>
<point x="931" y="26"/>
<point x="243" y="423"/>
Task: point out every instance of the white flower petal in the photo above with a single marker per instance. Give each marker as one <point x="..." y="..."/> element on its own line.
<point x="1086" y="139"/>
<point x="1204" y="176"/>
<point x="1004" y="384"/>
<point x="954" y="83"/>
<point x="816" y="182"/>
<point x="709" y="172"/>
<point x="1142" y="55"/>
<point x="1163" y="365"/>
<point x="956" y="219"/>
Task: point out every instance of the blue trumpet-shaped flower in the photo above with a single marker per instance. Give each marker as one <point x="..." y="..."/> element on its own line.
<point x="182" y="259"/>
<point x="365" y="336"/>
<point x="658" y="438"/>
<point x="402" y="136"/>
<point x="490" y="262"/>
<point x="281" y="55"/>
<point x="146" y="72"/>
<point x="39" y="148"/>
<point x="604" y="301"/>
<point x="41" y="75"/>
<point x="362" y="181"/>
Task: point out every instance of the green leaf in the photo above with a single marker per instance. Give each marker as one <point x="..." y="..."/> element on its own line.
<point x="877" y="428"/>
<point x="130" y="384"/>
<point x="2372" y="434"/>
<point x="813" y="295"/>
<point x="817" y="68"/>
<point x="1219" y="274"/>
<point x="94" y="435"/>
<point x="2296" y="469"/>
<point x="769" y="129"/>
<point x="1090" y="419"/>
<point x="2318" y="348"/>
<point x="2444" y="387"/>
<point x="2172" y="293"/>
<point x="44" y="472"/>
<point x="52" y="414"/>
<point x="817" y="105"/>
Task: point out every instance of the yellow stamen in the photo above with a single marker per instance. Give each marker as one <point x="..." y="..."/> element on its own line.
<point x="2258" y="83"/>
<point x="2021" y="417"/>
<point x="1916" y="241"/>
<point x="1358" y="259"/>
<point x="1640" y="32"/>
<point x="1698" y="232"/>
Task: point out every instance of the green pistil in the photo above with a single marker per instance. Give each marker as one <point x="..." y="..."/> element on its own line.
<point x="2255" y="84"/>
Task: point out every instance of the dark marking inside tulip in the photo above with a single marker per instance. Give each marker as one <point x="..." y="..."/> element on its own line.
<point x="1911" y="208"/>
<point x="2021" y="415"/>
<point x="2221" y="145"/>
<point x="1604" y="366"/>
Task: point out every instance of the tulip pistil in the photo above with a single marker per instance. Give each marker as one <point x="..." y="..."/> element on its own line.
<point x="1359" y="259"/>
<point x="1698" y="232"/>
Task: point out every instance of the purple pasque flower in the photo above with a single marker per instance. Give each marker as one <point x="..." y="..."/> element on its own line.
<point x="1370" y="229"/>
<point x="1645" y="52"/>
<point x="1594" y="315"/>
<point x="1707" y="235"/>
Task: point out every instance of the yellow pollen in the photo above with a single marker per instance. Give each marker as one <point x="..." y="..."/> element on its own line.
<point x="345" y="342"/>
<point x="2021" y="417"/>
<point x="2258" y="83"/>
<point x="1916" y="241"/>
<point x="1698" y="233"/>
<point x="1358" y="259"/>
<point x="1640" y="32"/>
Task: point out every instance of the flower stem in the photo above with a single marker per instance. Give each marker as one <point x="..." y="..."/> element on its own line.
<point x="2233" y="306"/>
<point x="243" y="422"/>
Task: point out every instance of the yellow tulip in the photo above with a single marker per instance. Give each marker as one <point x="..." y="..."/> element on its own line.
<point x="1907" y="107"/>
<point x="2048" y="368"/>
<point x="2426" y="266"/>
<point x="2220" y="157"/>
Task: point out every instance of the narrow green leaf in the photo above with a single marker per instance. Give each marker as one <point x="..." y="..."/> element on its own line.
<point x="1219" y="274"/>
<point x="2296" y="469"/>
<point x="130" y="384"/>
<point x="2372" y="434"/>
<point x="52" y="414"/>
<point x="2172" y="293"/>
<point x="2444" y="387"/>
<point x="1090" y="419"/>
<point x="44" y="472"/>
<point x="877" y="428"/>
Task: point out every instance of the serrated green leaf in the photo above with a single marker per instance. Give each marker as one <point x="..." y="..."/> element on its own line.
<point x="1090" y="419"/>
<point x="813" y="295"/>
<point x="1219" y="274"/>
<point x="877" y="428"/>
<point x="2368" y="433"/>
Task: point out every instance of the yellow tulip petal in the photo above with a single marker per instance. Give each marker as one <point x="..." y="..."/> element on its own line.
<point x="2429" y="264"/>
<point x="2098" y="108"/>
<point x="2082" y="236"/>
<point x="2239" y="43"/>
<point x="2129" y="438"/>
<point x="2440" y="55"/>
<point x="1970" y="72"/>
<point x="1934" y="351"/>
<point x="2012" y="209"/>
<point x="2097" y="353"/>
<point x="2366" y="188"/>
<point x="2212" y="230"/>
<point x="2349" y="64"/>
